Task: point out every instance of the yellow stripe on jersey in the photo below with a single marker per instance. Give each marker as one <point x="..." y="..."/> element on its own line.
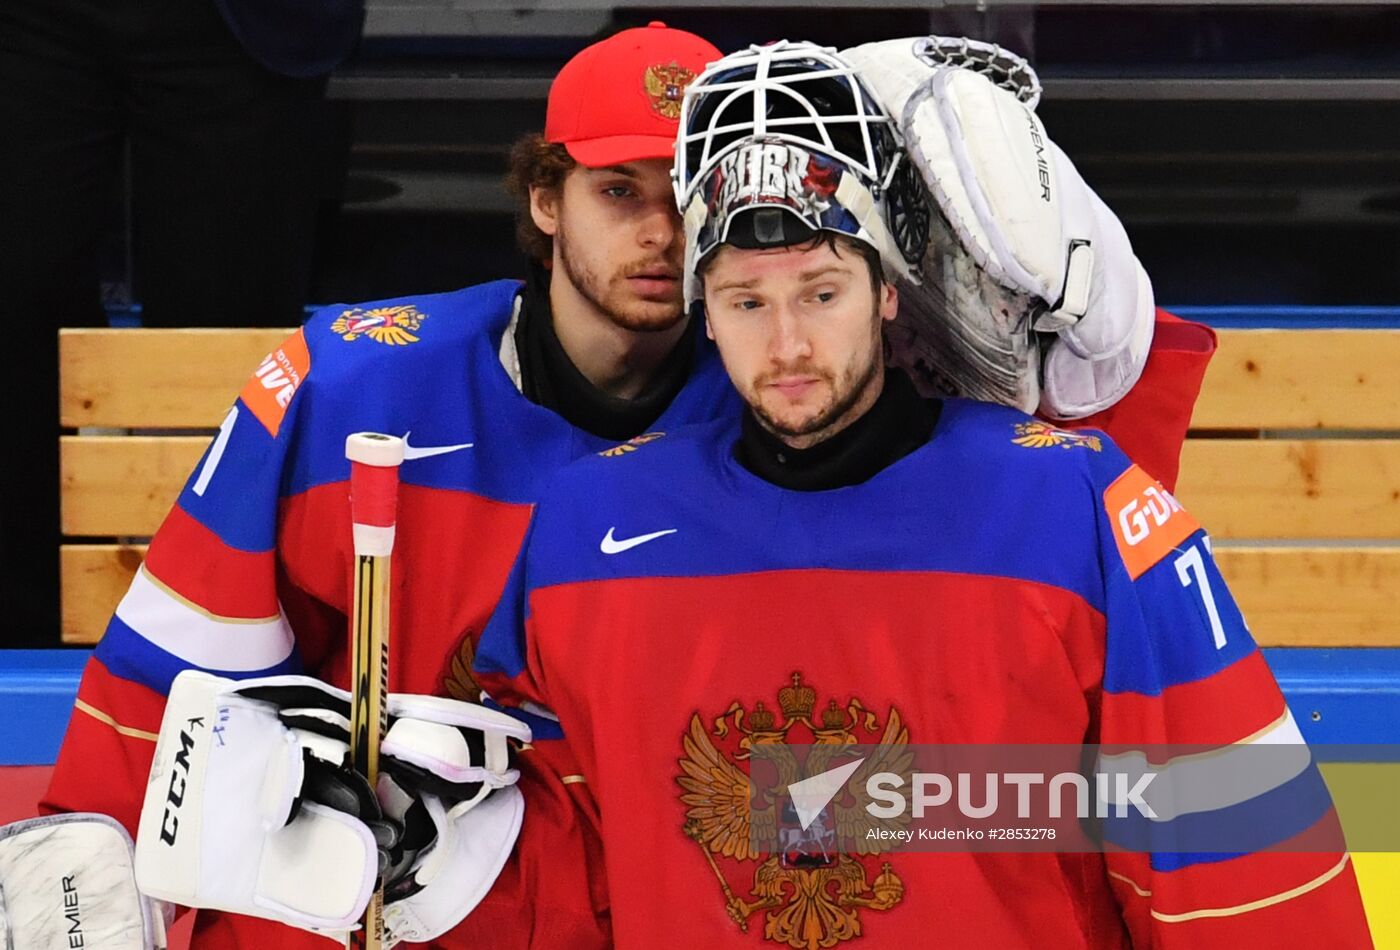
<point x="1141" y="891"/>
<point x="102" y="717"/>
<point x="1263" y="902"/>
<point x="185" y="601"/>
<point x="1260" y="904"/>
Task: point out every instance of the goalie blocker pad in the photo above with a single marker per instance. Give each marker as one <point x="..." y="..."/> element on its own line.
<point x="251" y="806"/>
<point x="222" y="823"/>
<point x="67" y="881"/>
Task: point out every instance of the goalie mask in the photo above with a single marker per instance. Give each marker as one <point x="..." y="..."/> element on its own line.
<point x="780" y="142"/>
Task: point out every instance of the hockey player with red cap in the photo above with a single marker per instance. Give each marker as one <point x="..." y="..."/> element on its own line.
<point x="493" y="387"/>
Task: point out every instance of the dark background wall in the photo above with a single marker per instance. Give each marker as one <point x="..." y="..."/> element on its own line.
<point x="1252" y="151"/>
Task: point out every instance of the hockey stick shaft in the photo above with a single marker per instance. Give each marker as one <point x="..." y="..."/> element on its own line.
<point x="374" y="488"/>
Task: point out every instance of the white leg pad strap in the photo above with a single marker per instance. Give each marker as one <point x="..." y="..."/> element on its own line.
<point x="1074" y="387"/>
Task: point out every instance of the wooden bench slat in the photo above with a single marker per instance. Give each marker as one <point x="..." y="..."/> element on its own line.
<point x="124" y="486"/>
<point x="1267" y="379"/>
<point x="1302" y="379"/>
<point x="132" y="378"/>
<point x="1237" y="488"/>
<point x="1309" y="488"/>
<point x="94" y="577"/>
<point x="1319" y="597"/>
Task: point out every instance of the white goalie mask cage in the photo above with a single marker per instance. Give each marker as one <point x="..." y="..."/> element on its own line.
<point x="790" y="130"/>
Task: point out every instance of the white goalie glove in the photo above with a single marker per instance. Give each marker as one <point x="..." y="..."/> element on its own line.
<point x="67" y="881"/>
<point x="1022" y="245"/>
<point x="252" y="808"/>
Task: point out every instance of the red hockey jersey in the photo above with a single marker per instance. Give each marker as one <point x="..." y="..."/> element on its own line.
<point x="1009" y="583"/>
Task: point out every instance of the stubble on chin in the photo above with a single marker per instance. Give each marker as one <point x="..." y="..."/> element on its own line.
<point x="788" y="428"/>
<point x="638" y="314"/>
<point x="612" y="297"/>
<point x="832" y="413"/>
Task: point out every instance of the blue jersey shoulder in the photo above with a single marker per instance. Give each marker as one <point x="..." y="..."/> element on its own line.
<point x="986" y="436"/>
<point x="423" y="366"/>
<point x="351" y="343"/>
<point x="680" y="454"/>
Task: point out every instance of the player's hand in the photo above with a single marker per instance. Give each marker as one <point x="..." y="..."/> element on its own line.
<point x="1014" y="204"/>
<point x="252" y="806"/>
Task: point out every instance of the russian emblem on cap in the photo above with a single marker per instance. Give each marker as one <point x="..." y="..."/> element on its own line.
<point x="665" y="86"/>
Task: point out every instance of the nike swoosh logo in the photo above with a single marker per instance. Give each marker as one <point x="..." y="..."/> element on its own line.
<point x="612" y="545"/>
<point x="426" y="451"/>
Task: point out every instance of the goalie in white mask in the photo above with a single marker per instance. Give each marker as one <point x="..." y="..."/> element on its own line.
<point x="1017" y="284"/>
<point x="799" y="541"/>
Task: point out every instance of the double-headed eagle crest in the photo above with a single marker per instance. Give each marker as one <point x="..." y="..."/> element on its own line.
<point x="460" y="682"/>
<point x="665" y="86"/>
<point x="1042" y="435"/>
<point x="392" y="326"/>
<point x="813" y="885"/>
<point x="631" y="445"/>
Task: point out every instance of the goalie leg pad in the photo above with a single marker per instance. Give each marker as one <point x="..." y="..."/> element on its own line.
<point x="67" y="881"/>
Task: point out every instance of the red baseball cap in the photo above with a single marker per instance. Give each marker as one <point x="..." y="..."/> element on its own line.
<point x="619" y="100"/>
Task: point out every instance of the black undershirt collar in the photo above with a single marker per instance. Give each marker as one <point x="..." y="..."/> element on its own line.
<point x="899" y="422"/>
<point x="550" y="379"/>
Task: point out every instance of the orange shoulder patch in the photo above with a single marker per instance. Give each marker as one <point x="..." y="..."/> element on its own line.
<point x="1148" y="522"/>
<point x="276" y="381"/>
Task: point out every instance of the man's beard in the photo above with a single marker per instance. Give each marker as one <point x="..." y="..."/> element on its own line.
<point x="834" y="411"/>
<point x="613" y="298"/>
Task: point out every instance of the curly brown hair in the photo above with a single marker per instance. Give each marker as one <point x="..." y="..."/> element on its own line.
<point x="539" y="164"/>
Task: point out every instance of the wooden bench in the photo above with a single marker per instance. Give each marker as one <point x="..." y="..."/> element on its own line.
<point x="1294" y="467"/>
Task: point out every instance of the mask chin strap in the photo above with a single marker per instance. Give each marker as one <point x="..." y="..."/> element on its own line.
<point x="858" y="200"/>
<point x="694" y="220"/>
